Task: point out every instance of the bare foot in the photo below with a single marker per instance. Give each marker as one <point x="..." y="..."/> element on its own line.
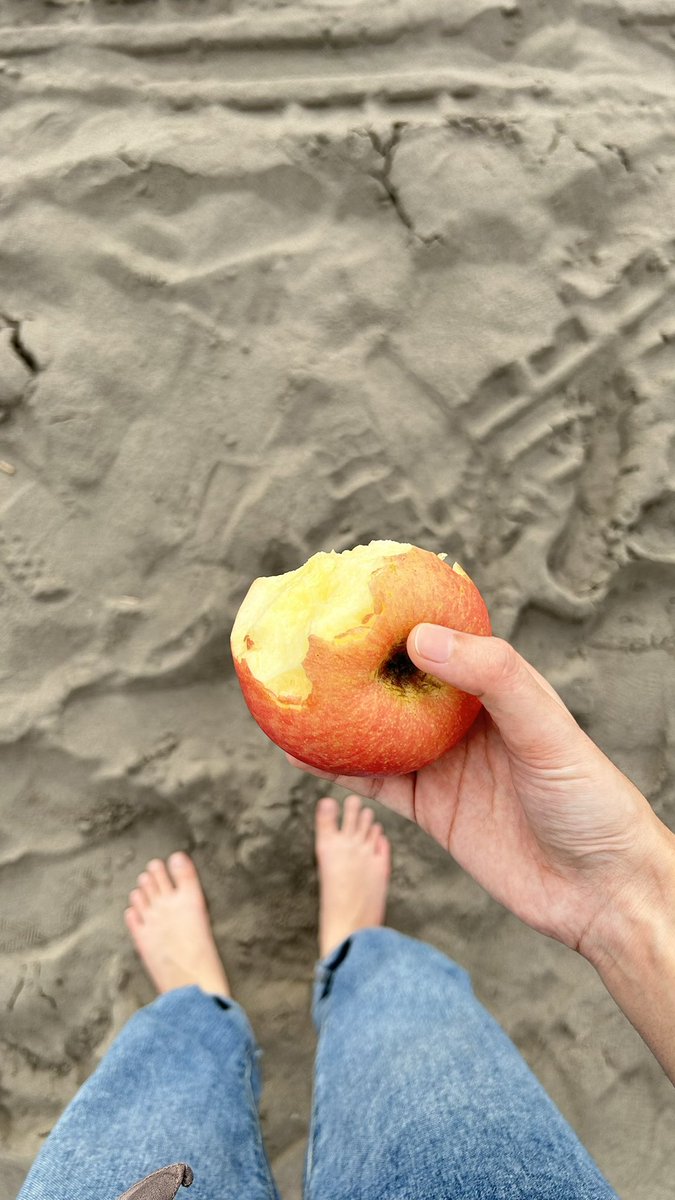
<point x="171" y="930"/>
<point x="354" y="868"/>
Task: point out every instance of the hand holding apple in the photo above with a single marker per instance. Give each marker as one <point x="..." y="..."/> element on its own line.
<point x="321" y="657"/>
<point x="548" y="825"/>
<point x="527" y="803"/>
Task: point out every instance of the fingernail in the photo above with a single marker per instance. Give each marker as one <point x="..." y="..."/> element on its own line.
<point x="433" y="642"/>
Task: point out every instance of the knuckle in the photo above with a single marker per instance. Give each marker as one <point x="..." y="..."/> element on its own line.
<point x="506" y="664"/>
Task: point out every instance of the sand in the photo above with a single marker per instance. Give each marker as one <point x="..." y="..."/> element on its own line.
<point x="281" y="279"/>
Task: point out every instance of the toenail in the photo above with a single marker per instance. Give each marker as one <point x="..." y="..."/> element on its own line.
<point x="179" y="859"/>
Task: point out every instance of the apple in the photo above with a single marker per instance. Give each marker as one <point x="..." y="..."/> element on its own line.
<point x="320" y="654"/>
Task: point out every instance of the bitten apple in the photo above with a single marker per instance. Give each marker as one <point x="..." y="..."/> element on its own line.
<point x="320" y="654"/>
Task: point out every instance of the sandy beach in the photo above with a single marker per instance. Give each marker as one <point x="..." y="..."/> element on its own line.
<point x="285" y="278"/>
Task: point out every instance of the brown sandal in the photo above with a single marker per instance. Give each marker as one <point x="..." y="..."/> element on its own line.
<point x="162" y="1184"/>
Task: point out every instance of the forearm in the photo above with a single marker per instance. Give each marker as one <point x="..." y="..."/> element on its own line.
<point x="634" y="954"/>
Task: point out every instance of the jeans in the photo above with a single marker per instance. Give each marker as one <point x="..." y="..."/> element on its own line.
<point x="418" y="1095"/>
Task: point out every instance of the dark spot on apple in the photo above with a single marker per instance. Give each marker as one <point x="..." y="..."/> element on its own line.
<point x="399" y="671"/>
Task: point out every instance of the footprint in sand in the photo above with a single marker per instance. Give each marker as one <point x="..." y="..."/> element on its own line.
<point x="16" y="372"/>
<point x="29" y="521"/>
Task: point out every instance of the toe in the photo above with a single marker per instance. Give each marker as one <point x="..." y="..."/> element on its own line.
<point x="133" y="920"/>
<point x="375" y="834"/>
<point x="350" y="815"/>
<point x="365" y="820"/>
<point x="147" y="887"/>
<point x="160" y="876"/>
<point x="383" y="848"/>
<point x="182" y="870"/>
<point x="327" y="813"/>
<point x="138" y="901"/>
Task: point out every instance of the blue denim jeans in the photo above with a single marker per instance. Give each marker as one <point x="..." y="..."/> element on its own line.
<point x="418" y="1095"/>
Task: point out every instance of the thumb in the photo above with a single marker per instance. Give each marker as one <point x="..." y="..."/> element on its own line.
<point x="533" y="720"/>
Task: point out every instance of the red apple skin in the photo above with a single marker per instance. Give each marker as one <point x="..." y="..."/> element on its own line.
<point x="355" y="721"/>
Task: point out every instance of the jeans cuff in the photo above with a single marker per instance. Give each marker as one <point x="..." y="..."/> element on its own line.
<point x="324" y="973"/>
<point x="195" y="1009"/>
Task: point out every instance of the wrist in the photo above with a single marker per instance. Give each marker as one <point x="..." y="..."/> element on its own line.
<point x="635" y="930"/>
<point x="633" y="948"/>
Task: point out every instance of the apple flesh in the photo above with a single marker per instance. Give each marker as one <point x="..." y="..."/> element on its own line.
<point x="320" y="654"/>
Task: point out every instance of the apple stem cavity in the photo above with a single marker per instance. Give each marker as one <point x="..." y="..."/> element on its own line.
<point x="399" y="671"/>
